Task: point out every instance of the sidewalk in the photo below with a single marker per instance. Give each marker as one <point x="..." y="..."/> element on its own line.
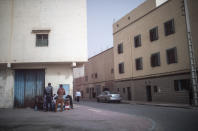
<point x="175" y="105"/>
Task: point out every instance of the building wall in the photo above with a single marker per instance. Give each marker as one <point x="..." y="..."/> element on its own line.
<point x="65" y="19"/>
<point x="102" y="65"/>
<point x="166" y="91"/>
<point x="6" y="88"/>
<point x="66" y="22"/>
<point x="169" y="10"/>
<point x="150" y="14"/>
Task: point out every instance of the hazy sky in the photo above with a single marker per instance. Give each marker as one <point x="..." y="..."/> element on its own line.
<point x="100" y="17"/>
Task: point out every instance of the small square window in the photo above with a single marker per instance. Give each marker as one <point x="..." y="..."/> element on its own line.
<point x="121" y="68"/>
<point x="41" y="40"/>
<point x="138" y="63"/>
<point x="137" y="41"/>
<point x="154" y="34"/>
<point x="169" y="27"/>
<point x="120" y="48"/>
<point x="155" y="59"/>
<point x="171" y="55"/>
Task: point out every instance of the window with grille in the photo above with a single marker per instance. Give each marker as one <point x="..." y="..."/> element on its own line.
<point x="171" y="55"/>
<point x="121" y="68"/>
<point x="137" y="41"/>
<point x="169" y="27"/>
<point x="155" y="59"/>
<point x="41" y="40"/>
<point x="154" y="34"/>
<point x="138" y="63"/>
<point x="120" y="48"/>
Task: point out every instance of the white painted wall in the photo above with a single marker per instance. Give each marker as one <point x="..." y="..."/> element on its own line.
<point x="79" y="72"/>
<point x="5" y="30"/>
<point x="66" y="19"/>
<point x="6" y="88"/>
<point x="59" y="74"/>
<point x="159" y="2"/>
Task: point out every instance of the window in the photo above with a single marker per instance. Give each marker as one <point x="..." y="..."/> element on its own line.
<point x="120" y="48"/>
<point x="121" y="68"/>
<point x="138" y="63"/>
<point x="171" y="55"/>
<point x="169" y="27"/>
<point x="118" y="89"/>
<point x="155" y="89"/>
<point x="137" y="41"/>
<point x="154" y="34"/>
<point x="181" y="85"/>
<point x="155" y="60"/>
<point x="41" y="40"/>
<point x="124" y="90"/>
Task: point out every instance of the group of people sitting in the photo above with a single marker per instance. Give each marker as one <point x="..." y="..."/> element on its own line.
<point x="51" y="101"/>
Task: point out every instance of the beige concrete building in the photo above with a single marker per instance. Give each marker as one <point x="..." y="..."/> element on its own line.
<point x="151" y="58"/>
<point x="40" y="42"/>
<point x="99" y="75"/>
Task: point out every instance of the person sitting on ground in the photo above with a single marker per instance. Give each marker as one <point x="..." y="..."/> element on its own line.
<point x="54" y="102"/>
<point x="60" y="92"/>
<point x="70" y="100"/>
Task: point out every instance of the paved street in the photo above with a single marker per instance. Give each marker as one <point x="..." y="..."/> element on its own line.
<point x="92" y="116"/>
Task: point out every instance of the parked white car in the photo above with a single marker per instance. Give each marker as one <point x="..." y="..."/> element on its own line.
<point x="106" y="96"/>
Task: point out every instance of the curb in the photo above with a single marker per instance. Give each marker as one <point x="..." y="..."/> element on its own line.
<point x="160" y="105"/>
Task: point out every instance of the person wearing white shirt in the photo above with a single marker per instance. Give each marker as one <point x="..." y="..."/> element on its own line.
<point x="78" y="95"/>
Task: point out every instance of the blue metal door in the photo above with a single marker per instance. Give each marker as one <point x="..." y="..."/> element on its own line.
<point x="28" y="84"/>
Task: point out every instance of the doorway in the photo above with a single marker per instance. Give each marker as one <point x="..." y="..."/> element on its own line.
<point x="148" y="93"/>
<point x="27" y="85"/>
<point x="129" y="93"/>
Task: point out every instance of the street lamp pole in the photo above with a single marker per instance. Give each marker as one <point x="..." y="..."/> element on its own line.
<point x="191" y="55"/>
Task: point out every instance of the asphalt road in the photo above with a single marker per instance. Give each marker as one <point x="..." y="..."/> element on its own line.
<point x="163" y="118"/>
<point x="93" y="116"/>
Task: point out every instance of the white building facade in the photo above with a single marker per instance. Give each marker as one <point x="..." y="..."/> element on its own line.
<point x="40" y="42"/>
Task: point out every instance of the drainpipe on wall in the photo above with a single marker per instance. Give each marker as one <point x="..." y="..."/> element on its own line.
<point x="191" y="55"/>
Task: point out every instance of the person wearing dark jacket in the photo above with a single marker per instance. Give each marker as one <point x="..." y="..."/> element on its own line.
<point x="49" y="94"/>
